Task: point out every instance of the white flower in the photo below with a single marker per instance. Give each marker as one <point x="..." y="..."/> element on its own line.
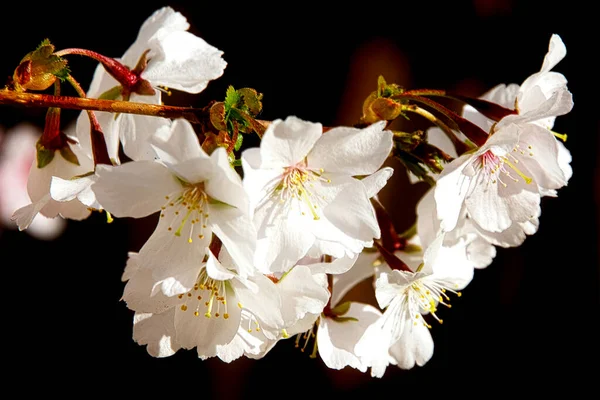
<point x="303" y="191"/>
<point x="41" y="180"/>
<point x="176" y="59"/>
<point x="197" y="195"/>
<point x="499" y="183"/>
<point x="538" y="100"/>
<point x="407" y="296"/>
<point x="17" y="153"/>
<point x="216" y="316"/>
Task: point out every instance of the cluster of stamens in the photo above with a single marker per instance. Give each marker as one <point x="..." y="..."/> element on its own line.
<point x="495" y="167"/>
<point x="307" y="336"/>
<point x="208" y="294"/>
<point x="424" y="297"/>
<point x="189" y="206"/>
<point x="297" y="184"/>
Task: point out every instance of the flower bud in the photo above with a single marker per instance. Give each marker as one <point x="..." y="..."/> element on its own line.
<point x="39" y="69"/>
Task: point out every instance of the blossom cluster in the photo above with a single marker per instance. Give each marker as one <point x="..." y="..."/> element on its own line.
<point x="248" y="252"/>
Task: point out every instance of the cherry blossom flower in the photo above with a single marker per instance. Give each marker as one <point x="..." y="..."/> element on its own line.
<point x="402" y="332"/>
<point x="196" y="194"/>
<point x="216" y="316"/>
<point x="169" y="56"/>
<point x="304" y="193"/>
<point x="61" y="170"/>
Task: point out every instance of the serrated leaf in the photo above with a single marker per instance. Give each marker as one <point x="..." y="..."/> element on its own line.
<point x="252" y="100"/>
<point x="232" y="98"/>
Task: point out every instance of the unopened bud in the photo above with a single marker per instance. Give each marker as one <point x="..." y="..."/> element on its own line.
<point x="217" y="116"/>
<point x="39" y="69"/>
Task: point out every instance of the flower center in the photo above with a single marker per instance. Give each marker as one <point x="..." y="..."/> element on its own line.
<point x="495" y="167"/>
<point x="424" y="297"/>
<point x="207" y="295"/>
<point x="296" y="186"/>
<point x="188" y="206"/>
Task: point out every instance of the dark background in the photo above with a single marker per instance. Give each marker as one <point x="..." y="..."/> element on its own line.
<point x="528" y="322"/>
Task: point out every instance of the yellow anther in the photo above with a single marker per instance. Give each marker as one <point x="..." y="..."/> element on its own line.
<point x="183" y="307"/>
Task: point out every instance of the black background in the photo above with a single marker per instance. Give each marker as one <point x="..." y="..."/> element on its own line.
<point x="528" y="322"/>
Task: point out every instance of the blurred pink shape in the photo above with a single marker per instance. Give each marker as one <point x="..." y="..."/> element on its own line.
<point x="17" y="152"/>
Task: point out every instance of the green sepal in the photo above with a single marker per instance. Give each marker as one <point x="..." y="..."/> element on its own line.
<point x="44" y="156"/>
<point x="112" y="93"/>
<point x="341" y="309"/>
<point x="344" y="319"/>
<point x="238" y="142"/>
<point x="68" y="155"/>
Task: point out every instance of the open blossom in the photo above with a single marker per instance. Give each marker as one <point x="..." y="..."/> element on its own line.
<point x="172" y="58"/>
<point x="218" y="316"/>
<point x="542" y="91"/>
<point x="329" y="330"/>
<point x="304" y="193"/>
<point x="196" y="194"/>
<point x="402" y="332"/>
<point x="498" y="183"/>
<point x="17" y="153"/>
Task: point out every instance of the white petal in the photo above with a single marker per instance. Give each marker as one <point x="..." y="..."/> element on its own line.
<point x="135" y="132"/>
<point x="541" y="157"/>
<point x="79" y="188"/>
<point x="237" y="233"/>
<point x="352" y="212"/>
<point x="301" y="294"/>
<point x="215" y="270"/>
<point x="139" y="296"/>
<point x="183" y="61"/>
<point x="450" y="192"/>
<point x="226" y="185"/>
<point x="131" y="266"/>
<point x="352" y="151"/>
<point x="134" y="189"/>
<point x="174" y="261"/>
<point x="375" y="182"/>
<point x="415" y="346"/>
<point x="25" y="215"/>
<point x="556" y="52"/>
<point x="177" y="142"/>
<point x="337" y="266"/>
<point x="264" y="303"/>
<point x="362" y="269"/>
<point x="336" y="340"/>
<point x="286" y="143"/>
<point x="207" y="333"/>
<point x="157" y="331"/>
<point x="282" y="239"/>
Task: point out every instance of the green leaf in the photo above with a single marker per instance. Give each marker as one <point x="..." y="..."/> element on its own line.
<point x="232" y="98"/>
